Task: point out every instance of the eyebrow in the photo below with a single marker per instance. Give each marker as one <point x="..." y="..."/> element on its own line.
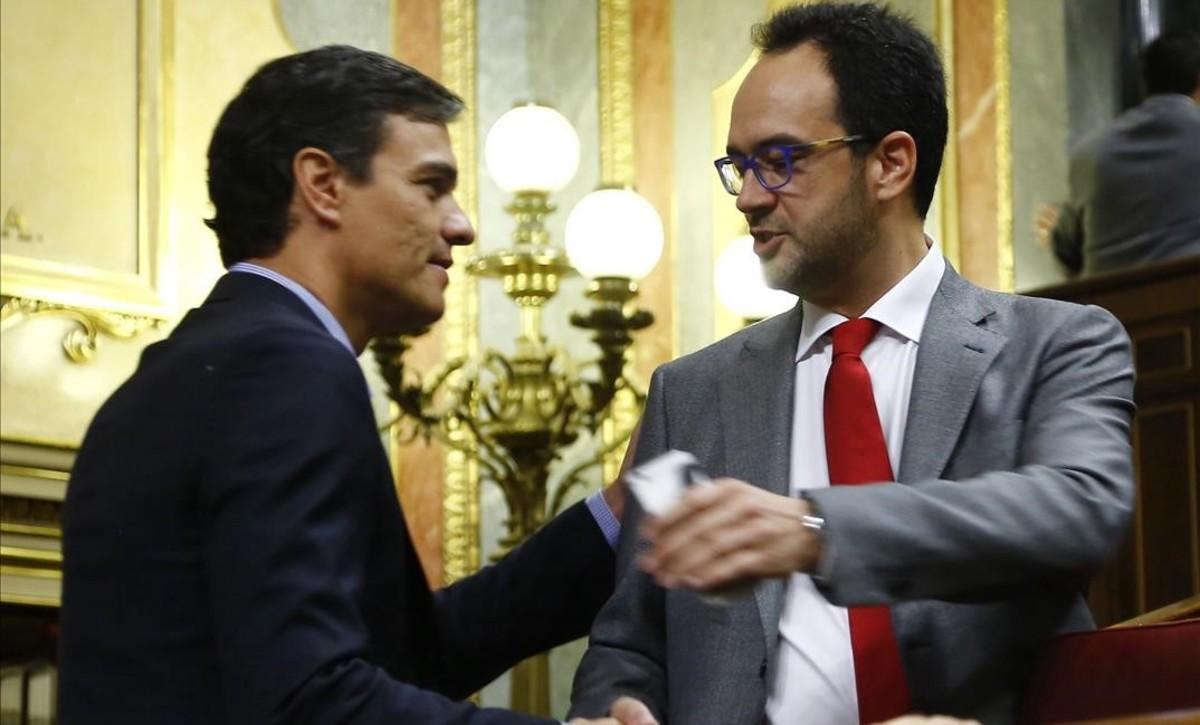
<point x="439" y="168"/>
<point x="779" y="139"/>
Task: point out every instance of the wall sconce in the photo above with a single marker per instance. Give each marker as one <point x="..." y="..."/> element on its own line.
<point x="740" y="287"/>
<point x="515" y="414"/>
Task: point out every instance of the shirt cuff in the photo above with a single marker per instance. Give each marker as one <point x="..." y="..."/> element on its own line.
<point x="609" y="525"/>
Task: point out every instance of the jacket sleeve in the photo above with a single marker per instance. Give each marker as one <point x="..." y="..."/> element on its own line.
<point x="544" y="593"/>
<point x="626" y="652"/>
<point x="1060" y="512"/>
<point x="285" y="494"/>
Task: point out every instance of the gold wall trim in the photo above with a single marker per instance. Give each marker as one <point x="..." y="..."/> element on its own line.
<point x="1002" y="69"/>
<point x="28" y="601"/>
<point x="81" y="342"/>
<point x="49" y="532"/>
<point x="39" y="442"/>
<point x="281" y="25"/>
<point x="460" y="499"/>
<point x="615" y="68"/>
<point x="145" y="292"/>
<point x="948" y="187"/>
<point x="36" y="572"/>
<point x="31" y="556"/>
<point x="47" y="474"/>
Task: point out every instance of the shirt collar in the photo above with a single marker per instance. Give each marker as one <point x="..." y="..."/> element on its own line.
<point x="902" y="309"/>
<point x="308" y="298"/>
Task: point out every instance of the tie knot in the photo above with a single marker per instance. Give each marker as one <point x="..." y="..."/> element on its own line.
<point x="853" y="335"/>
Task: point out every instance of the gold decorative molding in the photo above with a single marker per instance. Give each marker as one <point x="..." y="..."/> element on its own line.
<point x="460" y="500"/>
<point x="948" y="185"/>
<point x="1002" y="69"/>
<point x="49" y="474"/>
<point x="57" y="446"/>
<point x="30" y="550"/>
<point x="615" y="68"/>
<point x="144" y="292"/>
<point x="82" y="341"/>
<point x="29" y="571"/>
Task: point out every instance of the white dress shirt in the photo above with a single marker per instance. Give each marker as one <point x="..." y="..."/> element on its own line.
<point x="815" y="674"/>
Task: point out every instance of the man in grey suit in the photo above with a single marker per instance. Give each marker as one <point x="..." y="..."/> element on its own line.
<point x="1135" y="186"/>
<point x="1005" y="419"/>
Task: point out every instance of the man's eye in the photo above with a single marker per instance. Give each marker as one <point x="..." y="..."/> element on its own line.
<point x="436" y="187"/>
<point x="773" y="159"/>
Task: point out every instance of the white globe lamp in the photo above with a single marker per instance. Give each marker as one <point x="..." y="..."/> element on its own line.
<point x="531" y="148"/>
<point x="614" y="233"/>
<point x="740" y="286"/>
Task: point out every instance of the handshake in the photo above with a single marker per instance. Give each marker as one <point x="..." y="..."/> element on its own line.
<point x="625" y="711"/>
<point x="628" y="711"/>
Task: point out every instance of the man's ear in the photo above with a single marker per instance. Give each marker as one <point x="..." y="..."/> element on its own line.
<point x="893" y="164"/>
<point x="320" y="183"/>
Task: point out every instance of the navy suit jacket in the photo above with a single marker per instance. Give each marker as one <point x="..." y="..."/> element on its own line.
<point x="234" y="551"/>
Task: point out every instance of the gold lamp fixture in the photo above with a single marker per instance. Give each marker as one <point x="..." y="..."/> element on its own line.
<point x="515" y="414"/>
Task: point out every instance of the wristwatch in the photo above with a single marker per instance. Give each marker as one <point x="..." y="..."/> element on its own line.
<point x="814" y="522"/>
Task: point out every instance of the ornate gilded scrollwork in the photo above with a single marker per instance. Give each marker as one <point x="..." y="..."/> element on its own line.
<point x="81" y="341"/>
<point x="460" y="504"/>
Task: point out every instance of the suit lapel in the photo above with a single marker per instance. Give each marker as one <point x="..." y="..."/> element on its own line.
<point x="956" y="349"/>
<point x="756" y="417"/>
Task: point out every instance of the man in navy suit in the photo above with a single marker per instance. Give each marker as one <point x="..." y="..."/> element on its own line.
<point x="234" y="549"/>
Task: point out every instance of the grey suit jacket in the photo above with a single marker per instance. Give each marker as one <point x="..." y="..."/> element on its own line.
<point x="1016" y="481"/>
<point x="1135" y="190"/>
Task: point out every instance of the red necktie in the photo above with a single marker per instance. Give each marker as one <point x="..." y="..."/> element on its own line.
<point x="857" y="453"/>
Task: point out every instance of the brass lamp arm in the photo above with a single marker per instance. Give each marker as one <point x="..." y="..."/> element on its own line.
<point x="498" y="465"/>
<point x="572" y="478"/>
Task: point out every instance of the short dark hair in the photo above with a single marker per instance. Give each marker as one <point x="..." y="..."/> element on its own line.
<point x="888" y="75"/>
<point x="335" y="98"/>
<point x="1171" y="64"/>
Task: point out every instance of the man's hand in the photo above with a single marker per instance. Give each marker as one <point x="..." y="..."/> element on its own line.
<point x="625" y="711"/>
<point x="725" y="532"/>
<point x="1044" y="222"/>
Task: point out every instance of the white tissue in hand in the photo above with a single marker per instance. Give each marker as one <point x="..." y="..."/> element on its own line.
<point x="660" y="483"/>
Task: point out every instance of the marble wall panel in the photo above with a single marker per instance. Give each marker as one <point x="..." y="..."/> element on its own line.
<point x="313" y="23"/>
<point x="1039" y="131"/>
<point x="416" y="40"/>
<point x="711" y="43"/>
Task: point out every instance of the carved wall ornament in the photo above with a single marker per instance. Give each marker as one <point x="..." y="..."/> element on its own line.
<point x="82" y="340"/>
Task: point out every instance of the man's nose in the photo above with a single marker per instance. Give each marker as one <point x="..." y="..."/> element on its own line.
<point x="753" y="197"/>
<point x="457" y="229"/>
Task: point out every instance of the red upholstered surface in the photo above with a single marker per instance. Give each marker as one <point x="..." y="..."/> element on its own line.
<point x="1115" y="672"/>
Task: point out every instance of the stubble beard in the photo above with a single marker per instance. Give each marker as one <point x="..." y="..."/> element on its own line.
<point x="822" y="256"/>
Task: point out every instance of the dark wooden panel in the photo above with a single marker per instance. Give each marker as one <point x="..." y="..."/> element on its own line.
<point x="1163" y="352"/>
<point x="1159" y="305"/>
<point x="1110" y="596"/>
<point x="1165" y="436"/>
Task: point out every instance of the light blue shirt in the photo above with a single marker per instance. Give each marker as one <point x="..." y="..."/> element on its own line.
<point x="308" y="298"/>
<point x="609" y="526"/>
